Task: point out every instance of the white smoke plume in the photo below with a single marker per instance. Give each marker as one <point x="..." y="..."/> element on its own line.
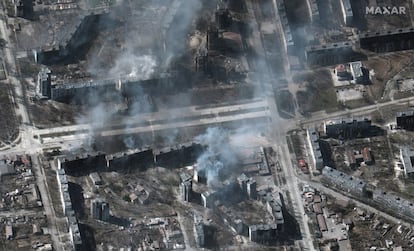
<point x="218" y="154"/>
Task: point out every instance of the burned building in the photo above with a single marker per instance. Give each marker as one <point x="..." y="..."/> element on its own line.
<point x="273" y="230"/>
<point x="44" y="83"/>
<point x="186" y="187"/>
<point x="70" y="41"/>
<point x="213" y="39"/>
<point x="130" y="160"/>
<point x="179" y="155"/>
<point x="347" y="14"/>
<point x="343" y="181"/>
<point x="248" y="186"/>
<point x="223" y="18"/>
<point x="331" y="54"/>
<point x="108" y="88"/>
<point x="355" y="158"/>
<point x="79" y="92"/>
<point x="100" y="210"/>
<point x="313" y="10"/>
<point x="388" y="41"/>
<point x="287" y="37"/>
<point x="346" y="129"/>
<point x="82" y="163"/>
<point x="405" y="120"/>
<point x="199" y="233"/>
<point x="72" y="222"/>
<point x="23" y="8"/>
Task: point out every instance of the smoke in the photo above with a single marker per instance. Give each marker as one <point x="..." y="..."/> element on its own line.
<point x="218" y="154"/>
<point x="140" y="67"/>
<point x="138" y="39"/>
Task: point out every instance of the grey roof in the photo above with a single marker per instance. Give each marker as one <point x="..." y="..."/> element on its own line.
<point x="407" y="154"/>
<point x="405" y="114"/>
<point x="343" y="179"/>
<point x="6" y="168"/>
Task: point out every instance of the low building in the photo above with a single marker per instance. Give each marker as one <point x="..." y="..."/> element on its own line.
<point x="359" y="74"/>
<point x="96" y="179"/>
<point x="394" y="203"/>
<point x="321" y="223"/>
<point x="407" y="157"/>
<point x="343" y="181"/>
<point x="9" y="232"/>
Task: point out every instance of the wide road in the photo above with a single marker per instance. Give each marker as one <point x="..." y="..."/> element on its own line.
<point x="357" y="112"/>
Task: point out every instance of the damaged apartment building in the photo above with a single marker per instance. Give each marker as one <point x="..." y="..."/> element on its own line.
<point x="139" y="159"/>
<point x="123" y="86"/>
<point x="79" y="31"/>
<point x="388" y="41"/>
<point x="405" y="120"/>
<point x="194" y="189"/>
<point x="331" y="54"/>
<point x="220" y="55"/>
<point x="72" y="221"/>
<point x="385" y="200"/>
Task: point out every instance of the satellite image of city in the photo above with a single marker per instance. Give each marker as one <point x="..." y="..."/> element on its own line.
<point x="249" y="125"/>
